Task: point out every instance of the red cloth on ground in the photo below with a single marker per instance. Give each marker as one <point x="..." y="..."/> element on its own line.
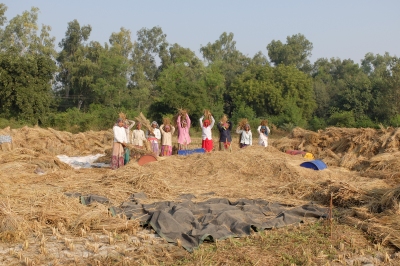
<point x="207" y="144"/>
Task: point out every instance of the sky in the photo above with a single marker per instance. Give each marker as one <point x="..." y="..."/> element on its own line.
<point x="345" y="29"/>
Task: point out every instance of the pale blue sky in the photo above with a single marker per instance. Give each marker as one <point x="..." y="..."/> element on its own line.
<point x="341" y="28"/>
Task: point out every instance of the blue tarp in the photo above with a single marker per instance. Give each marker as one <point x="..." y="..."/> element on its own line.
<point x="315" y="164"/>
<point x="187" y="152"/>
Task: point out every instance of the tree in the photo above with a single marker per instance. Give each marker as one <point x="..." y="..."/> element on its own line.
<point x="379" y="69"/>
<point x="74" y="77"/>
<point x="3" y="20"/>
<point x="345" y="84"/>
<point x="225" y="56"/>
<point x="187" y="83"/>
<point x="296" y="51"/>
<point x="110" y="76"/>
<point x="26" y="67"/>
<point x="272" y="91"/>
<point x="25" y="88"/>
<point x="21" y="33"/>
<point x="150" y="44"/>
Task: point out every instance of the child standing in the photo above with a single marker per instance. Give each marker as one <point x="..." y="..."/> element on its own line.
<point x="206" y="134"/>
<point x="119" y="143"/>
<point x="153" y="136"/>
<point x="225" y="138"/>
<point x="166" y="132"/>
<point x="246" y="138"/>
<point x="264" y="131"/>
<point x="128" y="126"/>
<point x="183" y="123"/>
<point x="138" y="136"/>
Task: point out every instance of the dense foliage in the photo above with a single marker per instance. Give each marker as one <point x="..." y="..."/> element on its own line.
<point x="84" y="85"/>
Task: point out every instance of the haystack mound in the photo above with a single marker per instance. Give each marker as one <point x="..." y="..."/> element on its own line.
<point x="36" y="148"/>
<point x="53" y="142"/>
<point x="36" y="204"/>
<point x="351" y="148"/>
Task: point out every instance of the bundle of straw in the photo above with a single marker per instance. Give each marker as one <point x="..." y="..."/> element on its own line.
<point x="242" y="123"/>
<point x="224" y="119"/>
<point x="181" y="113"/>
<point x="166" y="121"/>
<point x="122" y="116"/>
<point x="264" y="122"/>
<point x="136" y="150"/>
<point x="144" y="121"/>
<point x="207" y="114"/>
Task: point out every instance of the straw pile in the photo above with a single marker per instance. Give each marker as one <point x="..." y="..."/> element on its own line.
<point x="389" y="202"/>
<point x="343" y="194"/>
<point x="351" y="148"/>
<point x="32" y="204"/>
<point x="52" y="142"/>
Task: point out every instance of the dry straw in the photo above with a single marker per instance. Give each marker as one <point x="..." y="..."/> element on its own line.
<point x="144" y="121"/>
<point x="34" y="204"/>
<point x="242" y="123"/>
<point x="207" y="114"/>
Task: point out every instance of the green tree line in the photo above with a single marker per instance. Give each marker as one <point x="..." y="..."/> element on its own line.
<point x="78" y="84"/>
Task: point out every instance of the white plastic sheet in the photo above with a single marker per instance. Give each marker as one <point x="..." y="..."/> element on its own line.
<point x="82" y="161"/>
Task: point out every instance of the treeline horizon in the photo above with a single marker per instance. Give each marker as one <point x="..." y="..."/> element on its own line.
<point x="85" y="85"/>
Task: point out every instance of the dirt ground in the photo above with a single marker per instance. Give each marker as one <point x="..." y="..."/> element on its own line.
<point x="41" y="224"/>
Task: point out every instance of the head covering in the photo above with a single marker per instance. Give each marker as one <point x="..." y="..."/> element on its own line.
<point x="247" y="125"/>
<point x="206" y="123"/>
<point x="154" y="123"/>
<point x="167" y="127"/>
<point x="265" y="130"/>
<point x="120" y="120"/>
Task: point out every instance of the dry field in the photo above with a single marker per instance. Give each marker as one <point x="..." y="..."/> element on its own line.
<point x="42" y="224"/>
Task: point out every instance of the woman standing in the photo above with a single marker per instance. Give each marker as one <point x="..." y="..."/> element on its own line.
<point x="138" y="136"/>
<point x="120" y="140"/>
<point x="225" y="139"/>
<point x="166" y="132"/>
<point x="206" y="134"/>
<point x="264" y="131"/>
<point x="246" y="138"/>
<point x="183" y="124"/>
<point x="154" y="136"/>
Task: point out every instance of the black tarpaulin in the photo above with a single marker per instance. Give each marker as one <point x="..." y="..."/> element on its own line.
<point x="193" y="222"/>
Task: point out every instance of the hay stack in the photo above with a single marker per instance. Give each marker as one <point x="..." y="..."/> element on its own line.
<point x="343" y="194"/>
<point x="122" y="116"/>
<point x="242" y="123"/>
<point x="207" y="114"/>
<point x="224" y="119"/>
<point x="182" y="114"/>
<point x="144" y="121"/>
<point x="166" y="121"/>
<point x="390" y="201"/>
<point x="347" y="147"/>
<point x="53" y="142"/>
<point x="264" y="122"/>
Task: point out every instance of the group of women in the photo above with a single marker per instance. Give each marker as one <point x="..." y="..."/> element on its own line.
<point x="163" y="134"/>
